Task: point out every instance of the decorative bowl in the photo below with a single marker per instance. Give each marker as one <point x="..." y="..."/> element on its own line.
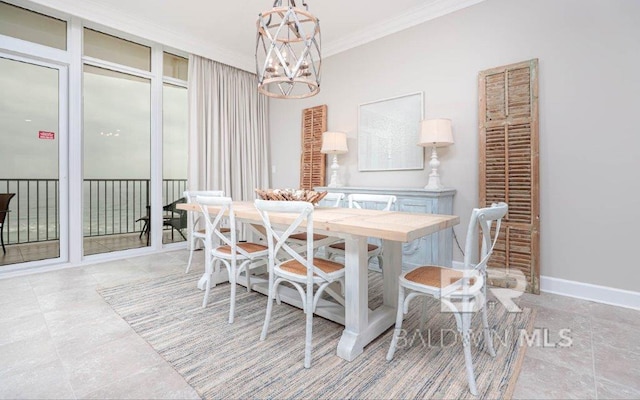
<point x="311" y="196"/>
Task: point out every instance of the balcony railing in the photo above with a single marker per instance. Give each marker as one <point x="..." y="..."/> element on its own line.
<point x="111" y="206"/>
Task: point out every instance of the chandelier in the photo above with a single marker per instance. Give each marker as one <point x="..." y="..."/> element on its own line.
<point x="288" y="52"/>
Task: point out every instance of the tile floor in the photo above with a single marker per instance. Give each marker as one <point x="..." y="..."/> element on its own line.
<point x="60" y="340"/>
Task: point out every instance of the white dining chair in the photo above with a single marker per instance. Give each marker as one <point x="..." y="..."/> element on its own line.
<point x="231" y="252"/>
<point x="330" y="200"/>
<point x="461" y="292"/>
<point x="196" y="233"/>
<point x="310" y="276"/>
<point x="365" y="201"/>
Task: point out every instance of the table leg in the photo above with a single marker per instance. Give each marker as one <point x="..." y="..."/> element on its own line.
<point x="361" y="324"/>
<point x="392" y="261"/>
<point x="356" y="298"/>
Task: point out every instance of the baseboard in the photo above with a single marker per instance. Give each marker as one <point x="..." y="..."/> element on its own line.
<point x="585" y="291"/>
<point x="588" y="291"/>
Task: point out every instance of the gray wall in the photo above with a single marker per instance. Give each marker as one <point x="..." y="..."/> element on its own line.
<point x="589" y="54"/>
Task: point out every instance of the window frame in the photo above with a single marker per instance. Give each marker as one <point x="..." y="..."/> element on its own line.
<point x="72" y="61"/>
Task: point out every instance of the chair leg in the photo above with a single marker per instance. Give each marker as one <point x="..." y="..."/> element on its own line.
<point x="267" y="316"/>
<point x="207" y="289"/>
<point x="189" y="262"/>
<point x="182" y="234"/>
<point x="191" y="246"/>
<point x="423" y="313"/>
<point x="488" y="338"/>
<point x="309" y="329"/>
<point x="4" y="251"/>
<point x="209" y="274"/>
<point x="466" y="344"/>
<point x="144" y="229"/>
<point x="232" y="307"/>
<point x="247" y="271"/>
<point x="398" y="328"/>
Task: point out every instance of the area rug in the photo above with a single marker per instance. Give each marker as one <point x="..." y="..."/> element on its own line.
<point x="222" y="360"/>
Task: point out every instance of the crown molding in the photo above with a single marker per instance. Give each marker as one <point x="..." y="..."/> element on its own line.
<point x="413" y="17"/>
<point x="96" y="12"/>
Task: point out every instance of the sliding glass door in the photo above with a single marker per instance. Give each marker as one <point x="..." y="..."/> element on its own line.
<point x="93" y="139"/>
<point x="117" y="166"/>
<point x="32" y="137"/>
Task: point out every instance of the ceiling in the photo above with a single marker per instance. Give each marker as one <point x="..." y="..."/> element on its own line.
<point x="228" y="28"/>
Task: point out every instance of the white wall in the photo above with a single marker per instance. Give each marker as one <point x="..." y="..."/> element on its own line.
<point x="589" y="52"/>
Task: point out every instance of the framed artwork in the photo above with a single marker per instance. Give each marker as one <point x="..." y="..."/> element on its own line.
<point x="388" y="133"/>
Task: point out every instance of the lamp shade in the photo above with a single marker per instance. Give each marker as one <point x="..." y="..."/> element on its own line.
<point x="436" y="132"/>
<point x="334" y="143"/>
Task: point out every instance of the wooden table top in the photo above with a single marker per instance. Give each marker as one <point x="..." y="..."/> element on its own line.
<point x="389" y="225"/>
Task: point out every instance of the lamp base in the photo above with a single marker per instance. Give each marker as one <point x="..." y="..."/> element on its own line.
<point x="434" y="184"/>
<point x="334" y="173"/>
<point x="434" y="176"/>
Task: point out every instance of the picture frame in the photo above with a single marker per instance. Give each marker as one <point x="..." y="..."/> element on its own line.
<point x="388" y="131"/>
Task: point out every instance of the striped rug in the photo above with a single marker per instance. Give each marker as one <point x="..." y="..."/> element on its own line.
<point x="221" y="360"/>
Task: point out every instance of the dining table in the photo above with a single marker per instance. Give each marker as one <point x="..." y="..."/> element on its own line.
<point x="353" y="226"/>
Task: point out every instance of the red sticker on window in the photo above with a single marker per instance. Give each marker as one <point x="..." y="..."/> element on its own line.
<point x="46" y="135"/>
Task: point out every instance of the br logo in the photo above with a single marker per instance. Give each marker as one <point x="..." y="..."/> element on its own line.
<point x="516" y="281"/>
<point x="467" y="297"/>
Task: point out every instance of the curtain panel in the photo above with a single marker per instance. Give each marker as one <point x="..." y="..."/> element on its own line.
<point x="228" y="130"/>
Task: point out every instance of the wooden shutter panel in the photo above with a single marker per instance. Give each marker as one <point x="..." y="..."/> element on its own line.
<point x="509" y="171"/>
<point x="312" y="161"/>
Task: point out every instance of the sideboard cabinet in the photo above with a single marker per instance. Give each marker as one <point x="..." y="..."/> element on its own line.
<point x="435" y="249"/>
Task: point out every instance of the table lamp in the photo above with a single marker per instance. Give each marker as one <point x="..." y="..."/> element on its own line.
<point x="334" y="143"/>
<point x="435" y="133"/>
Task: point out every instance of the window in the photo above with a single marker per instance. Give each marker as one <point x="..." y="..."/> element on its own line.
<point x="175" y="66"/>
<point x="33" y="27"/>
<point x="119" y="51"/>
<point x="130" y="105"/>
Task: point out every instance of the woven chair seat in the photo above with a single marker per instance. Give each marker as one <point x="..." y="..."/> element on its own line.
<point x="222" y="230"/>
<point x="303" y="236"/>
<point x="434" y="276"/>
<point x="341" y="246"/>
<point x="326" y="266"/>
<point x="246" y="246"/>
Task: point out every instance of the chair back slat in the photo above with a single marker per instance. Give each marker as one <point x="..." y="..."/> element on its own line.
<point x="481" y="222"/>
<point x="191" y="195"/>
<point x="277" y="239"/>
<point x="373" y="201"/>
<point x="214" y="222"/>
<point x="332" y="200"/>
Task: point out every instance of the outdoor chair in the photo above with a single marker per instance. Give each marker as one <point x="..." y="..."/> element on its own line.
<point x="5" y="198"/>
<point x="461" y="292"/>
<point x="172" y="217"/>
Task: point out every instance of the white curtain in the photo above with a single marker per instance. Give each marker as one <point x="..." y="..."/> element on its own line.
<point x="228" y="130"/>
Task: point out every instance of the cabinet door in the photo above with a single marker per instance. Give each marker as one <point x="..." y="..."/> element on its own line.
<point x="421" y="251"/>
